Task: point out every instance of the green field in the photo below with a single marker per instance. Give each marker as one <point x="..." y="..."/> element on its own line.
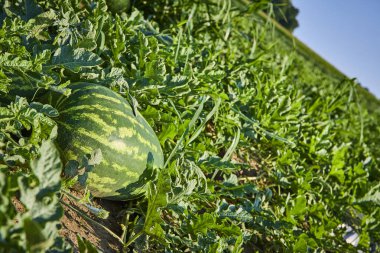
<point x="268" y="147"/>
<point x="371" y="101"/>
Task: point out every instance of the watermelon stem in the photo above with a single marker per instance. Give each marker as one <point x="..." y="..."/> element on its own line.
<point x="99" y="212"/>
<point x="127" y="244"/>
<point x="125" y="227"/>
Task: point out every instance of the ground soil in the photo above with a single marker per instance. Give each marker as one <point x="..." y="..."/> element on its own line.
<point x="74" y="224"/>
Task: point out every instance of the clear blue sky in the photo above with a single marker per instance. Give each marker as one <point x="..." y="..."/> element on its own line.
<point x="346" y="33"/>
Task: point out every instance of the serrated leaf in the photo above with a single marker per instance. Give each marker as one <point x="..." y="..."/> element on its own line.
<point x="41" y="199"/>
<point x="157" y="199"/>
<point x="15" y="62"/>
<point x="214" y="75"/>
<point x="338" y="163"/>
<point x="74" y="59"/>
<point x="155" y="70"/>
<point x="372" y="196"/>
<point x="234" y="212"/>
<point x="46" y="109"/>
<point x="203" y="223"/>
<point x="40" y="24"/>
<point x="300" y="245"/>
<point x="208" y="221"/>
<point x="28" y="9"/>
<point x="47" y="167"/>
<point x="169" y="131"/>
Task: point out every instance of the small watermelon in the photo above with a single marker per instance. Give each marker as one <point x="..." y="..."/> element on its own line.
<point x="95" y="117"/>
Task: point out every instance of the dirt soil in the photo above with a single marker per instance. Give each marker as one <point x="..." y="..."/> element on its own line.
<point x="73" y="224"/>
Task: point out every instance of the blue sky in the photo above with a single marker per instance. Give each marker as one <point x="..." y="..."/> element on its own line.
<point x="346" y="33"/>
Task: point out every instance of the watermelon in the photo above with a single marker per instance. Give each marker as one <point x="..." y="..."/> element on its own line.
<point x="95" y="117"/>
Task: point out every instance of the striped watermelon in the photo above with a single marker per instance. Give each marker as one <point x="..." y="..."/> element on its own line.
<point x="93" y="117"/>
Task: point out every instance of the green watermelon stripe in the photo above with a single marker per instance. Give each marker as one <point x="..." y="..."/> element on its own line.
<point x="127" y="132"/>
<point x="111" y="98"/>
<point x="94" y="118"/>
<point x="102" y="180"/>
<point x="64" y="125"/>
<point x="117" y="145"/>
<point x="92" y="107"/>
<point x="85" y="98"/>
<point x="147" y="143"/>
<point x="123" y="132"/>
<point x="146" y="130"/>
<point x="84" y="87"/>
<point x="99" y="97"/>
<point x="95" y="107"/>
<point x="96" y="143"/>
<point x="125" y="170"/>
<point x="101" y="183"/>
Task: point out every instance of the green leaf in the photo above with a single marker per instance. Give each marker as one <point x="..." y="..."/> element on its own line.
<point x="74" y="59"/>
<point x="338" y="163"/>
<point x="203" y="223"/>
<point x="40" y="25"/>
<point x="88" y="44"/>
<point x="301" y="244"/>
<point x="46" y="109"/>
<point x="371" y="197"/>
<point x="4" y="82"/>
<point x="234" y="212"/>
<point x="39" y="193"/>
<point x="304" y="243"/>
<point x="157" y="199"/>
<point x="84" y="246"/>
<point x="48" y="167"/>
<point x="28" y="9"/>
<point x="31" y="9"/>
<point x="208" y="221"/>
<point x="155" y="70"/>
<point x="35" y="238"/>
<point x="300" y="206"/>
<point x="169" y="131"/>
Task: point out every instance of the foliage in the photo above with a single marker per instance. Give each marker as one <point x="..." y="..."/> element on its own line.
<point x="36" y="228"/>
<point x="264" y="150"/>
<point x="286" y="14"/>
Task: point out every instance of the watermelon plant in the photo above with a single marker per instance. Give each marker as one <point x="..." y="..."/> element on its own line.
<point x="266" y="149"/>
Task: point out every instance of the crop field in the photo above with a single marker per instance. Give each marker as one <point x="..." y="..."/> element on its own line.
<point x="178" y="126"/>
